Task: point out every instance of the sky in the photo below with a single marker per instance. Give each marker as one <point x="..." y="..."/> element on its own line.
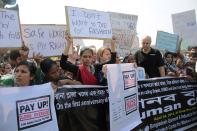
<point x="153" y="15"/>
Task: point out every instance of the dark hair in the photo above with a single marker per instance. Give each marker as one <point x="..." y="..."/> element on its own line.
<point x="31" y="66"/>
<point x="46" y="65"/>
<point x="169" y="53"/>
<point x="85" y="49"/>
<point x="14" y="54"/>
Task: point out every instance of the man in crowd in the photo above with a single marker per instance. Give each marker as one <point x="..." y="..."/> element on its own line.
<point x="150" y="59"/>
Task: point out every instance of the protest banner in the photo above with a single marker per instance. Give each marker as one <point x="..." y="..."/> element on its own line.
<point x="124" y="29"/>
<point x="85" y="23"/>
<point x="10" y="35"/>
<point x="84" y="107"/>
<point x="167" y="104"/>
<point x="78" y="96"/>
<point x="123" y="97"/>
<point x="167" y="41"/>
<point x="48" y="40"/>
<point x="28" y="108"/>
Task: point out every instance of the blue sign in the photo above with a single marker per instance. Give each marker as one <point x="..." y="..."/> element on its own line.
<point x="167" y="41"/>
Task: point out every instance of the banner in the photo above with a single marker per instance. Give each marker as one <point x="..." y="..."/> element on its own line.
<point x="167" y="41"/>
<point x="48" y="40"/>
<point x="27" y="108"/>
<point x="10" y="35"/>
<point x="84" y="23"/>
<point x="123" y="97"/>
<point x="82" y="107"/>
<point x="78" y="96"/>
<point x="167" y="104"/>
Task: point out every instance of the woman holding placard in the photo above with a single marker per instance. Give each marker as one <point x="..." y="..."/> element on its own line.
<point x="85" y="72"/>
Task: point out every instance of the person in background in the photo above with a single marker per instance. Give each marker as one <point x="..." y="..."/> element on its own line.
<point x="150" y="59"/>
<point x="170" y="66"/>
<point x="181" y="71"/>
<point x="52" y="74"/>
<point x="24" y="74"/>
<point x="7" y="68"/>
<point x="129" y="59"/>
<point x="14" y="58"/>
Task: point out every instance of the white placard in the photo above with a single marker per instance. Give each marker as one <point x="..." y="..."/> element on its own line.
<point x="88" y="23"/>
<point x="48" y="40"/>
<point x="183" y="20"/>
<point x="123" y="97"/>
<point x="10" y="35"/>
<point x="124" y="29"/>
<point x="28" y="108"/>
<point x="167" y="41"/>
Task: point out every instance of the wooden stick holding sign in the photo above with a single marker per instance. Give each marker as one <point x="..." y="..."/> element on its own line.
<point x="84" y="23"/>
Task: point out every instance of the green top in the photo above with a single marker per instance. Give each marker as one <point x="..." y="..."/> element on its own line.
<point x="7" y="80"/>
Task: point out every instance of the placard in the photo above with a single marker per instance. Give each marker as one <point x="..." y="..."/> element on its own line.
<point x="28" y="108"/>
<point x="10" y="35"/>
<point x="167" y="41"/>
<point x="48" y="40"/>
<point x="124" y="29"/>
<point x="87" y="23"/>
<point x="183" y="20"/>
<point x="123" y="97"/>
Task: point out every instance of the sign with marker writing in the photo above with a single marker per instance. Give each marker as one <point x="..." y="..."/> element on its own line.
<point x="124" y="29"/>
<point x="183" y="21"/>
<point x="88" y="23"/>
<point x="167" y="41"/>
<point x="10" y="35"/>
<point x="48" y="40"/>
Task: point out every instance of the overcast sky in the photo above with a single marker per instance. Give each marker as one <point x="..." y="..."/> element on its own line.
<point x="153" y="15"/>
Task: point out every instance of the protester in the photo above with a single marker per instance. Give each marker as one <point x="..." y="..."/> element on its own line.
<point x="170" y="66"/>
<point x="23" y="75"/>
<point x="150" y="59"/>
<point x="52" y="74"/>
<point x="129" y="59"/>
<point x="86" y="72"/>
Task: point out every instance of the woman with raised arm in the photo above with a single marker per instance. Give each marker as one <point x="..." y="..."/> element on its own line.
<point x="86" y="72"/>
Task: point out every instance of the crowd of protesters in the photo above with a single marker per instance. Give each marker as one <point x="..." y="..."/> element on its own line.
<point x="88" y="67"/>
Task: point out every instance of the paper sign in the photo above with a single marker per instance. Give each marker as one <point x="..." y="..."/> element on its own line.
<point x="88" y="23"/>
<point x="124" y="29"/>
<point x="183" y="20"/>
<point x="28" y="108"/>
<point x="123" y="97"/>
<point x="10" y="35"/>
<point x="48" y="40"/>
<point x="167" y="41"/>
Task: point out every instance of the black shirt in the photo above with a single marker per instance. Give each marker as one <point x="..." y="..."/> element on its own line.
<point x="151" y="62"/>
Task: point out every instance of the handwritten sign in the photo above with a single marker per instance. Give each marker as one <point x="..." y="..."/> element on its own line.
<point x="48" y="40"/>
<point x="124" y="29"/>
<point x="10" y="35"/>
<point x="88" y="23"/>
<point x="183" y="20"/>
<point x="167" y="41"/>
